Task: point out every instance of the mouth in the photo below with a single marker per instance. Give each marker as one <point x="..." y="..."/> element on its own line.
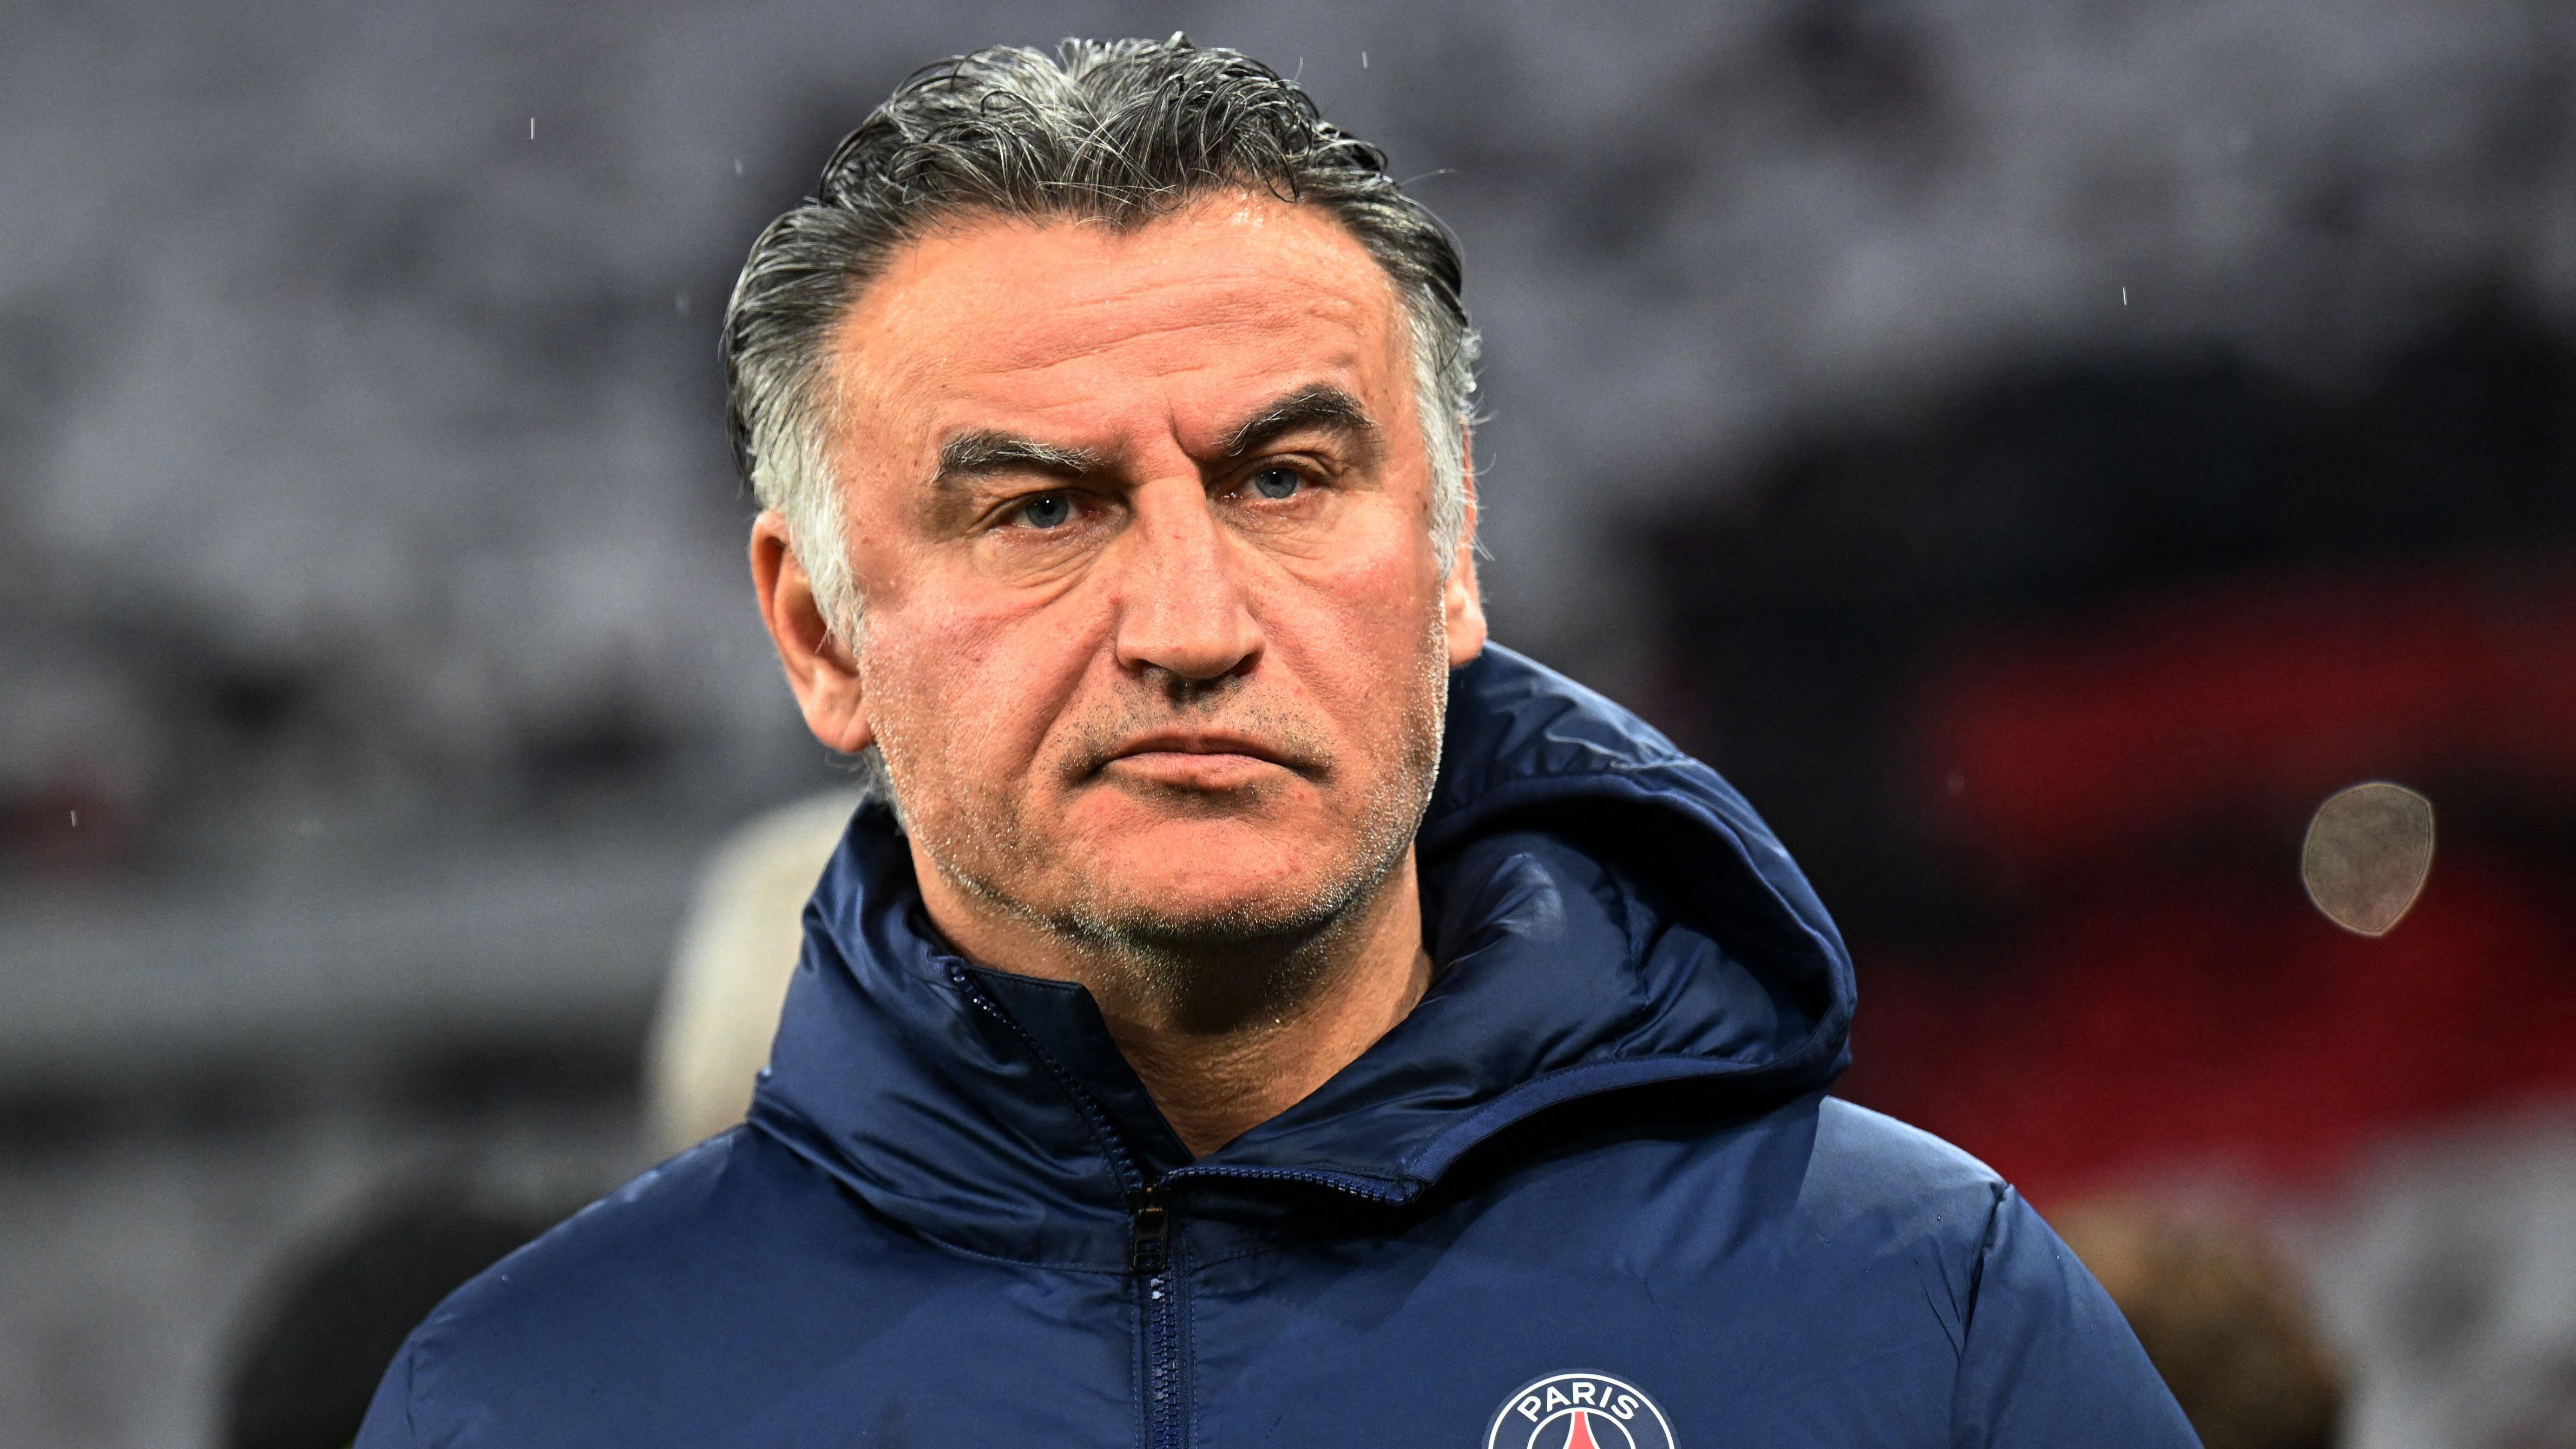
<point x="1197" y="759"/>
<point x="1201" y="742"/>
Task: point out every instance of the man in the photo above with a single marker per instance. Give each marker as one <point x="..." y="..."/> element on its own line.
<point x="1255" y="1011"/>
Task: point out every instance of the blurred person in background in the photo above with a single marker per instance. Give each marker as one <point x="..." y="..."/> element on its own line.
<point x="1248" y="1007"/>
<point x="2225" y="1318"/>
<point x="307" y="1356"/>
<point x="730" y="971"/>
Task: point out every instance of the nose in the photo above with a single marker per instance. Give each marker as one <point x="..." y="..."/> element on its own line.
<point x="1183" y="610"/>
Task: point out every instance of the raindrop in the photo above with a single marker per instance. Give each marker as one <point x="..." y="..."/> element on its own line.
<point x="2368" y="851"/>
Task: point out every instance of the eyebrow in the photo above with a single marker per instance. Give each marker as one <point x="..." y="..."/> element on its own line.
<point x="976" y="454"/>
<point x="984" y="452"/>
<point x="1319" y="406"/>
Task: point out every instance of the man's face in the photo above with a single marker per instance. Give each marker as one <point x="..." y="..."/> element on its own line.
<point x="1157" y="642"/>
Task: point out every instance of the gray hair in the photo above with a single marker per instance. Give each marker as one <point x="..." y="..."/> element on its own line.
<point x="1120" y="132"/>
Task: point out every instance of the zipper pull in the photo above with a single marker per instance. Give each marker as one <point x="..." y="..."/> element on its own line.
<point x="1153" y="1231"/>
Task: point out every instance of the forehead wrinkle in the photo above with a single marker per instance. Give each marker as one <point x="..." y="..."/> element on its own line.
<point x="1306" y="247"/>
<point x="1342" y="313"/>
<point x="1055" y="348"/>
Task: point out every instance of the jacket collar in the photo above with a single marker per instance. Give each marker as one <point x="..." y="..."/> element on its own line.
<point x="1605" y="912"/>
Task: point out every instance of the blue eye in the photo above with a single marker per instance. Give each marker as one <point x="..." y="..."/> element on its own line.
<point x="1277" y="482"/>
<point x="1047" y="510"/>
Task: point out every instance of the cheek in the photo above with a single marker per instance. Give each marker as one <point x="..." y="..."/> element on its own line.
<point x="1362" y="621"/>
<point x="964" y="687"/>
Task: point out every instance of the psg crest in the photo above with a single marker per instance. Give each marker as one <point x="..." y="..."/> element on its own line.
<point x="1579" y="1411"/>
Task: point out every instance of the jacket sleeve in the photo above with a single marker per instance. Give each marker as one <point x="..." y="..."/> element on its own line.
<point x="388" y="1421"/>
<point x="2048" y="1361"/>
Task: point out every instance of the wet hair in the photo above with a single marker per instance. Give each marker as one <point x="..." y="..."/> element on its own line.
<point x="1116" y="132"/>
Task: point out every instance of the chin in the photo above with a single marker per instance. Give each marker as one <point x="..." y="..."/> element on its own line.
<point x="1162" y="924"/>
<point x="1178" y="843"/>
<point x="1186" y="886"/>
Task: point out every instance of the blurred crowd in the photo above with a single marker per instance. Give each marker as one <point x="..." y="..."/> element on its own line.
<point x="2039" y="453"/>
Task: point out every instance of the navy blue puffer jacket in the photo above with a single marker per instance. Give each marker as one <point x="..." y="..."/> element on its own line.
<point x="1590" y="1195"/>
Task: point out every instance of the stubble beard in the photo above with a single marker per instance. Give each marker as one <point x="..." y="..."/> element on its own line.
<point x="1216" y="969"/>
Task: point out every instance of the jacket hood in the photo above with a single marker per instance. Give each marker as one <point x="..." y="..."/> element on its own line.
<point x="1604" y="912"/>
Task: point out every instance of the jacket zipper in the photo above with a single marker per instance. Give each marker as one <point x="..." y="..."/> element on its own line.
<point x="1149" y="1250"/>
<point x="1158" y="1281"/>
<point x="1150" y="1260"/>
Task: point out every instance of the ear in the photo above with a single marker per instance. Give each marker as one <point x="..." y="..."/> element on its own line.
<point x="1462" y="603"/>
<point x="819" y="665"/>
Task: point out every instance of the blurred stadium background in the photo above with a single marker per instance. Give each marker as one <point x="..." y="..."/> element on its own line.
<point x="2038" y="451"/>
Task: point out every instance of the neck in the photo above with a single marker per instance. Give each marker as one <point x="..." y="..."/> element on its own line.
<point x="1225" y="1037"/>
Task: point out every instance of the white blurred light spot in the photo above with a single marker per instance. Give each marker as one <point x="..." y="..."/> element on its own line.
<point x="2368" y="852"/>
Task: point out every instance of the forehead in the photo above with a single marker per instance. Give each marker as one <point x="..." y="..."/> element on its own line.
<point x="1061" y="323"/>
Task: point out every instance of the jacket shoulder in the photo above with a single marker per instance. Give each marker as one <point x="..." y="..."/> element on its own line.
<point x="2044" y="1356"/>
<point x="665" y="1220"/>
<point x="733" y="1238"/>
<point x="1866" y="1164"/>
